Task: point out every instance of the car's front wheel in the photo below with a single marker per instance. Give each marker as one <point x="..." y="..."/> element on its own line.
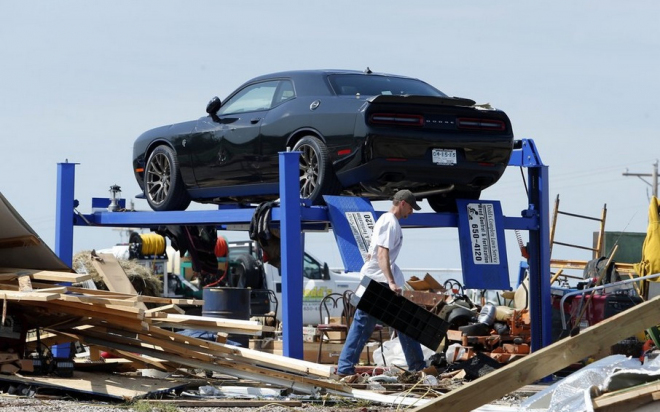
<point x="446" y="202"/>
<point x="163" y="185"/>
<point x="316" y="175"/>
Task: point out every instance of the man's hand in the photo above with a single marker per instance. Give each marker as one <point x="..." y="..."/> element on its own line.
<point x="393" y="287"/>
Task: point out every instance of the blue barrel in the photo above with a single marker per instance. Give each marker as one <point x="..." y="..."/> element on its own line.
<point x="228" y="303"/>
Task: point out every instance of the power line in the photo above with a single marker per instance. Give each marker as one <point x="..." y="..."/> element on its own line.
<point x="653" y="176"/>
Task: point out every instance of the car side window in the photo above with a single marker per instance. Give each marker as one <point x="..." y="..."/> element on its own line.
<point x="254" y="97"/>
<point x="311" y="268"/>
<point x="284" y="92"/>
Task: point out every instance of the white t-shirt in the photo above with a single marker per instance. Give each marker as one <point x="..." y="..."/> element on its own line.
<point x="387" y="233"/>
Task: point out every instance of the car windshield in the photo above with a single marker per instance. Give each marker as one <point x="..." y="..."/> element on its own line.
<point x="374" y="85"/>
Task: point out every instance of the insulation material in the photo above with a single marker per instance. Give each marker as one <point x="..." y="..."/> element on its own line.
<point x="574" y="393"/>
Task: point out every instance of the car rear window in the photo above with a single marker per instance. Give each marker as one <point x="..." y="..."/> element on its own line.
<point x="375" y="85"/>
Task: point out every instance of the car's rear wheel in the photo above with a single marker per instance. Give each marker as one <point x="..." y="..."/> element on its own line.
<point x="163" y="185"/>
<point x="316" y="175"/>
<point x="446" y="202"/>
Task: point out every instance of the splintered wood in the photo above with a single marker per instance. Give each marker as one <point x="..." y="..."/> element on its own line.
<point x="120" y="323"/>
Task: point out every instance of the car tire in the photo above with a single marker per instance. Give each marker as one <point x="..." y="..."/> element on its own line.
<point x="316" y="175"/>
<point x="246" y="273"/>
<point x="163" y="185"/>
<point x="446" y="202"/>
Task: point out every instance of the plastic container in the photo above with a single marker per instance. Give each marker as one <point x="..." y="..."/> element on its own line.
<point x="487" y="314"/>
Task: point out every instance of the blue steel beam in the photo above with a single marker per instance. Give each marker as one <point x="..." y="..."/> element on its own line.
<point x="292" y="246"/>
<point x="539" y="242"/>
<point x="64" y="212"/>
<point x="313" y="215"/>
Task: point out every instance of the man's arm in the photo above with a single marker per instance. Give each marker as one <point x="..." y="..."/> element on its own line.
<point x="384" y="265"/>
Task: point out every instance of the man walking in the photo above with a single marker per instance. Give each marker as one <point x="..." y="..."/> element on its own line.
<point x="386" y="241"/>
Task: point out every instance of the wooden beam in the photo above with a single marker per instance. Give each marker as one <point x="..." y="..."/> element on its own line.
<point x="114" y="276"/>
<point x="28" y="296"/>
<point x="246" y="326"/>
<point x="550" y="359"/>
<point x="627" y="399"/>
<point x="47" y="275"/>
<point x="166" y="309"/>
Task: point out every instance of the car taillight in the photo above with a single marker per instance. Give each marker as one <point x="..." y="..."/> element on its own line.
<point x="397" y="119"/>
<point x="480" y="124"/>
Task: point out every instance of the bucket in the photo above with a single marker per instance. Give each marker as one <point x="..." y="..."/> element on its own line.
<point x="228" y="303"/>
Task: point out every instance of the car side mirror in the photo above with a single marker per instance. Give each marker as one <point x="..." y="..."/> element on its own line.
<point x="326" y="272"/>
<point x="213" y="106"/>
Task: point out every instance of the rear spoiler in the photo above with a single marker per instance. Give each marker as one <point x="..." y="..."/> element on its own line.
<point x="426" y="100"/>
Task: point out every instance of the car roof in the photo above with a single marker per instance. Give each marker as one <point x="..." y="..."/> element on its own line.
<point x="312" y="82"/>
<point x="319" y="72"/>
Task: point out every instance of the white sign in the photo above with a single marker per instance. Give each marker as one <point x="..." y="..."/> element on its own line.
<point x="361" y="224"/>
<point x="483" y="234"/>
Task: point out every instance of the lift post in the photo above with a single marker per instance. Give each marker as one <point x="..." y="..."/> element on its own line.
<point x="64" y="211"/>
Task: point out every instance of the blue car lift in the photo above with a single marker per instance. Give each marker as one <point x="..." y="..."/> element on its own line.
<point x="295" y="217"/>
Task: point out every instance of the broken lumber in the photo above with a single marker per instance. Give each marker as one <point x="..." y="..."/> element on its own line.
<point x="114" y="276"/>
<point x="548" y="360"/>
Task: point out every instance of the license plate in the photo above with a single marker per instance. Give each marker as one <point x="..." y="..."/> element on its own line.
<point x="444" y="156"/>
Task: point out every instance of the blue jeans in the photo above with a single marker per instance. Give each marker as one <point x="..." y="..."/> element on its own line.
<point x="361" y="329"/>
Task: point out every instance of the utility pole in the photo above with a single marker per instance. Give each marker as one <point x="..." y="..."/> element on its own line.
<point x="653" y="176"/>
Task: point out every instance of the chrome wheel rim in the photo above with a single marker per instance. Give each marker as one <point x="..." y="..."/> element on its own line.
<point x="158" y="175"/>
<point x="309" y="171"/>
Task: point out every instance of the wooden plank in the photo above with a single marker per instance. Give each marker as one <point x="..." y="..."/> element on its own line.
<point x="202" y="322"/>
<point x="28" y="296"/>
<point x="117" y="310"/>
<point x="207" y="327"/>
<point x="166" y="309"/>
<point x="550" y="359"/>
<point x="101" y="301"/>
<point x="36" y="287"/>
<point x="99" y="312"/>
<point x="628" y="398"/>
<point x="47" y="275"/>
<point x="114" y="276"/>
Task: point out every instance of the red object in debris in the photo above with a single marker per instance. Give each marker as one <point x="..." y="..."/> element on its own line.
<point x="107" y="355"/>
<point x="648" y="345"/>
<point x="221" y="248"/>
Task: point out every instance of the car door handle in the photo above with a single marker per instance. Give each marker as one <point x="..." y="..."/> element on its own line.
<point x="255" y="120"/>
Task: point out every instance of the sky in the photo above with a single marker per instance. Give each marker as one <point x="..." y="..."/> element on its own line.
<point x="80" y="80"/>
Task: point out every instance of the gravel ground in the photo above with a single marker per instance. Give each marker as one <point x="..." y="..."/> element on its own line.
<point x="15" y="404"/>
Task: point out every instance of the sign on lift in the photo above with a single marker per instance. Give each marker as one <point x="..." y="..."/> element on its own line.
<point x="483" y="248"/>
<point x="353" y="220"/>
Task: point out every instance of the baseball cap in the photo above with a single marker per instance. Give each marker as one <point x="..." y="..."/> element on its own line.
<point x="408" y="197"/>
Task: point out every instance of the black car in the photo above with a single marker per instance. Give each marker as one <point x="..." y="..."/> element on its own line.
<point x="360" y="133"/>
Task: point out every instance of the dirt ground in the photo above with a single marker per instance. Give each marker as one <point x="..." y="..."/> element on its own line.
<point x="15" y="404"/>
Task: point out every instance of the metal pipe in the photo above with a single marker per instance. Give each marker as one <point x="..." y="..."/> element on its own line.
<point x="609" y="285"/>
